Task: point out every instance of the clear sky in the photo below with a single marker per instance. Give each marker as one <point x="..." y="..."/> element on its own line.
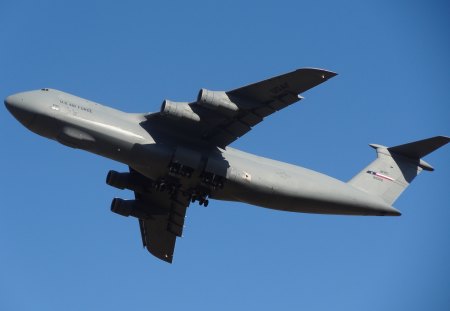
<point x="62" y="249"/>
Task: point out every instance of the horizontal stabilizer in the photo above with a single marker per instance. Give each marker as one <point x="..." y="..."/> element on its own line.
<point x="396" y="167"/>
<point x="421" y="148"/>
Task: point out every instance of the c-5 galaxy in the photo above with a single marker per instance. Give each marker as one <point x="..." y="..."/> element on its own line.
<point x="181" y="155"/>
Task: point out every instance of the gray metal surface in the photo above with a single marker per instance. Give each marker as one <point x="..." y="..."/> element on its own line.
<point x="180" y="155"/>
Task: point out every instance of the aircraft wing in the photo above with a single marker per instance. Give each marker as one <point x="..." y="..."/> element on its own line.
<point x="254" y="102"/>
<point x="160" y="230"/>
<point x="281" y="91"/>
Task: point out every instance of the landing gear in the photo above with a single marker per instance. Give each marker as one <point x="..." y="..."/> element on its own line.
<point x="177" y="169"/>
<point x="212" y="180"/>
<point x="163" y="185"/>
<point x="204" y="202"/>
<point x="202" y="198"/>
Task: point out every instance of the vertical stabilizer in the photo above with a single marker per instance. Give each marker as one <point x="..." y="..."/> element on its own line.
<point x="396" y="167"/>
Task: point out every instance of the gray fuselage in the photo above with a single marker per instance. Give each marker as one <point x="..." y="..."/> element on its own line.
<point x="131" y="139"/>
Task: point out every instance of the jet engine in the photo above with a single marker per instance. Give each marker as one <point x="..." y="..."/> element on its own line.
<point x="121" y="207"/>
<point x="118" y="180"/>
<point x="128" y="208"/>
<point x="218" y="101"/>
<point x="178" y="111"/>
<point x="135" y="208"/>
<point x="127" y="181"/>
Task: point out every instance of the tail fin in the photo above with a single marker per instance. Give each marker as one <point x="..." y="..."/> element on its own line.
<point x="396" y="167"/>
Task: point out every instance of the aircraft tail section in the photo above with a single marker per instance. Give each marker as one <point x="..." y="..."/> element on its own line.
<point x="396" y="167"/>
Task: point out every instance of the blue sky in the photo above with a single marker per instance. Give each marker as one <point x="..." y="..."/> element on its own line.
<point x="61" y="247"/>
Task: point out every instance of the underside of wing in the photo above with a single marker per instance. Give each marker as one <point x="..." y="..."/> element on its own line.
<point x="159" y="232"/>
<point x="218" y="118"/>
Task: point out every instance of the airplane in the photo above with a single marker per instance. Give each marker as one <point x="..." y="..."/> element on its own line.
<point x="181" y="155"/>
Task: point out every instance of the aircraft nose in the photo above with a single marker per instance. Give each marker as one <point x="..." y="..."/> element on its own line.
<point x="10" y="101"/>
<point x="15" y="105"/>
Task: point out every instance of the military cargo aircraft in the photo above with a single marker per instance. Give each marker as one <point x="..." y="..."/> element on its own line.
<point x="181" y="155"/>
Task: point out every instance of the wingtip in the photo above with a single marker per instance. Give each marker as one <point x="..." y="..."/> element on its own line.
<point x="445" y="138"/>
<point x="326" y="74"/>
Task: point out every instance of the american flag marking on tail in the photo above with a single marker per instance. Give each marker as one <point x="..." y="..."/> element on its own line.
<point x="380" y="175"/>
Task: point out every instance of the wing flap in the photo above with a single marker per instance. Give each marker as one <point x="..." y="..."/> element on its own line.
<point x="250" y="119"/>
<point x="157" y="239"/>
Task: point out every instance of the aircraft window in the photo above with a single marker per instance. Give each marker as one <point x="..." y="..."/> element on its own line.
<point x="46" y="90"/>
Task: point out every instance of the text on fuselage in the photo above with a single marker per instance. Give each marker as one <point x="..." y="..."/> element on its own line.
<point x="72" y="105"/>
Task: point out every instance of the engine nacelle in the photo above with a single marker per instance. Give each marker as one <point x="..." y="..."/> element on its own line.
<point x="118" y="180"/>
<point x="218" y="101"/>
<point x="128" y="208"/>
<point x="128" y="181"/>
<point x="178" y="111"/>
<point x="135" y="208"/>
<point x="121" y="207"/>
